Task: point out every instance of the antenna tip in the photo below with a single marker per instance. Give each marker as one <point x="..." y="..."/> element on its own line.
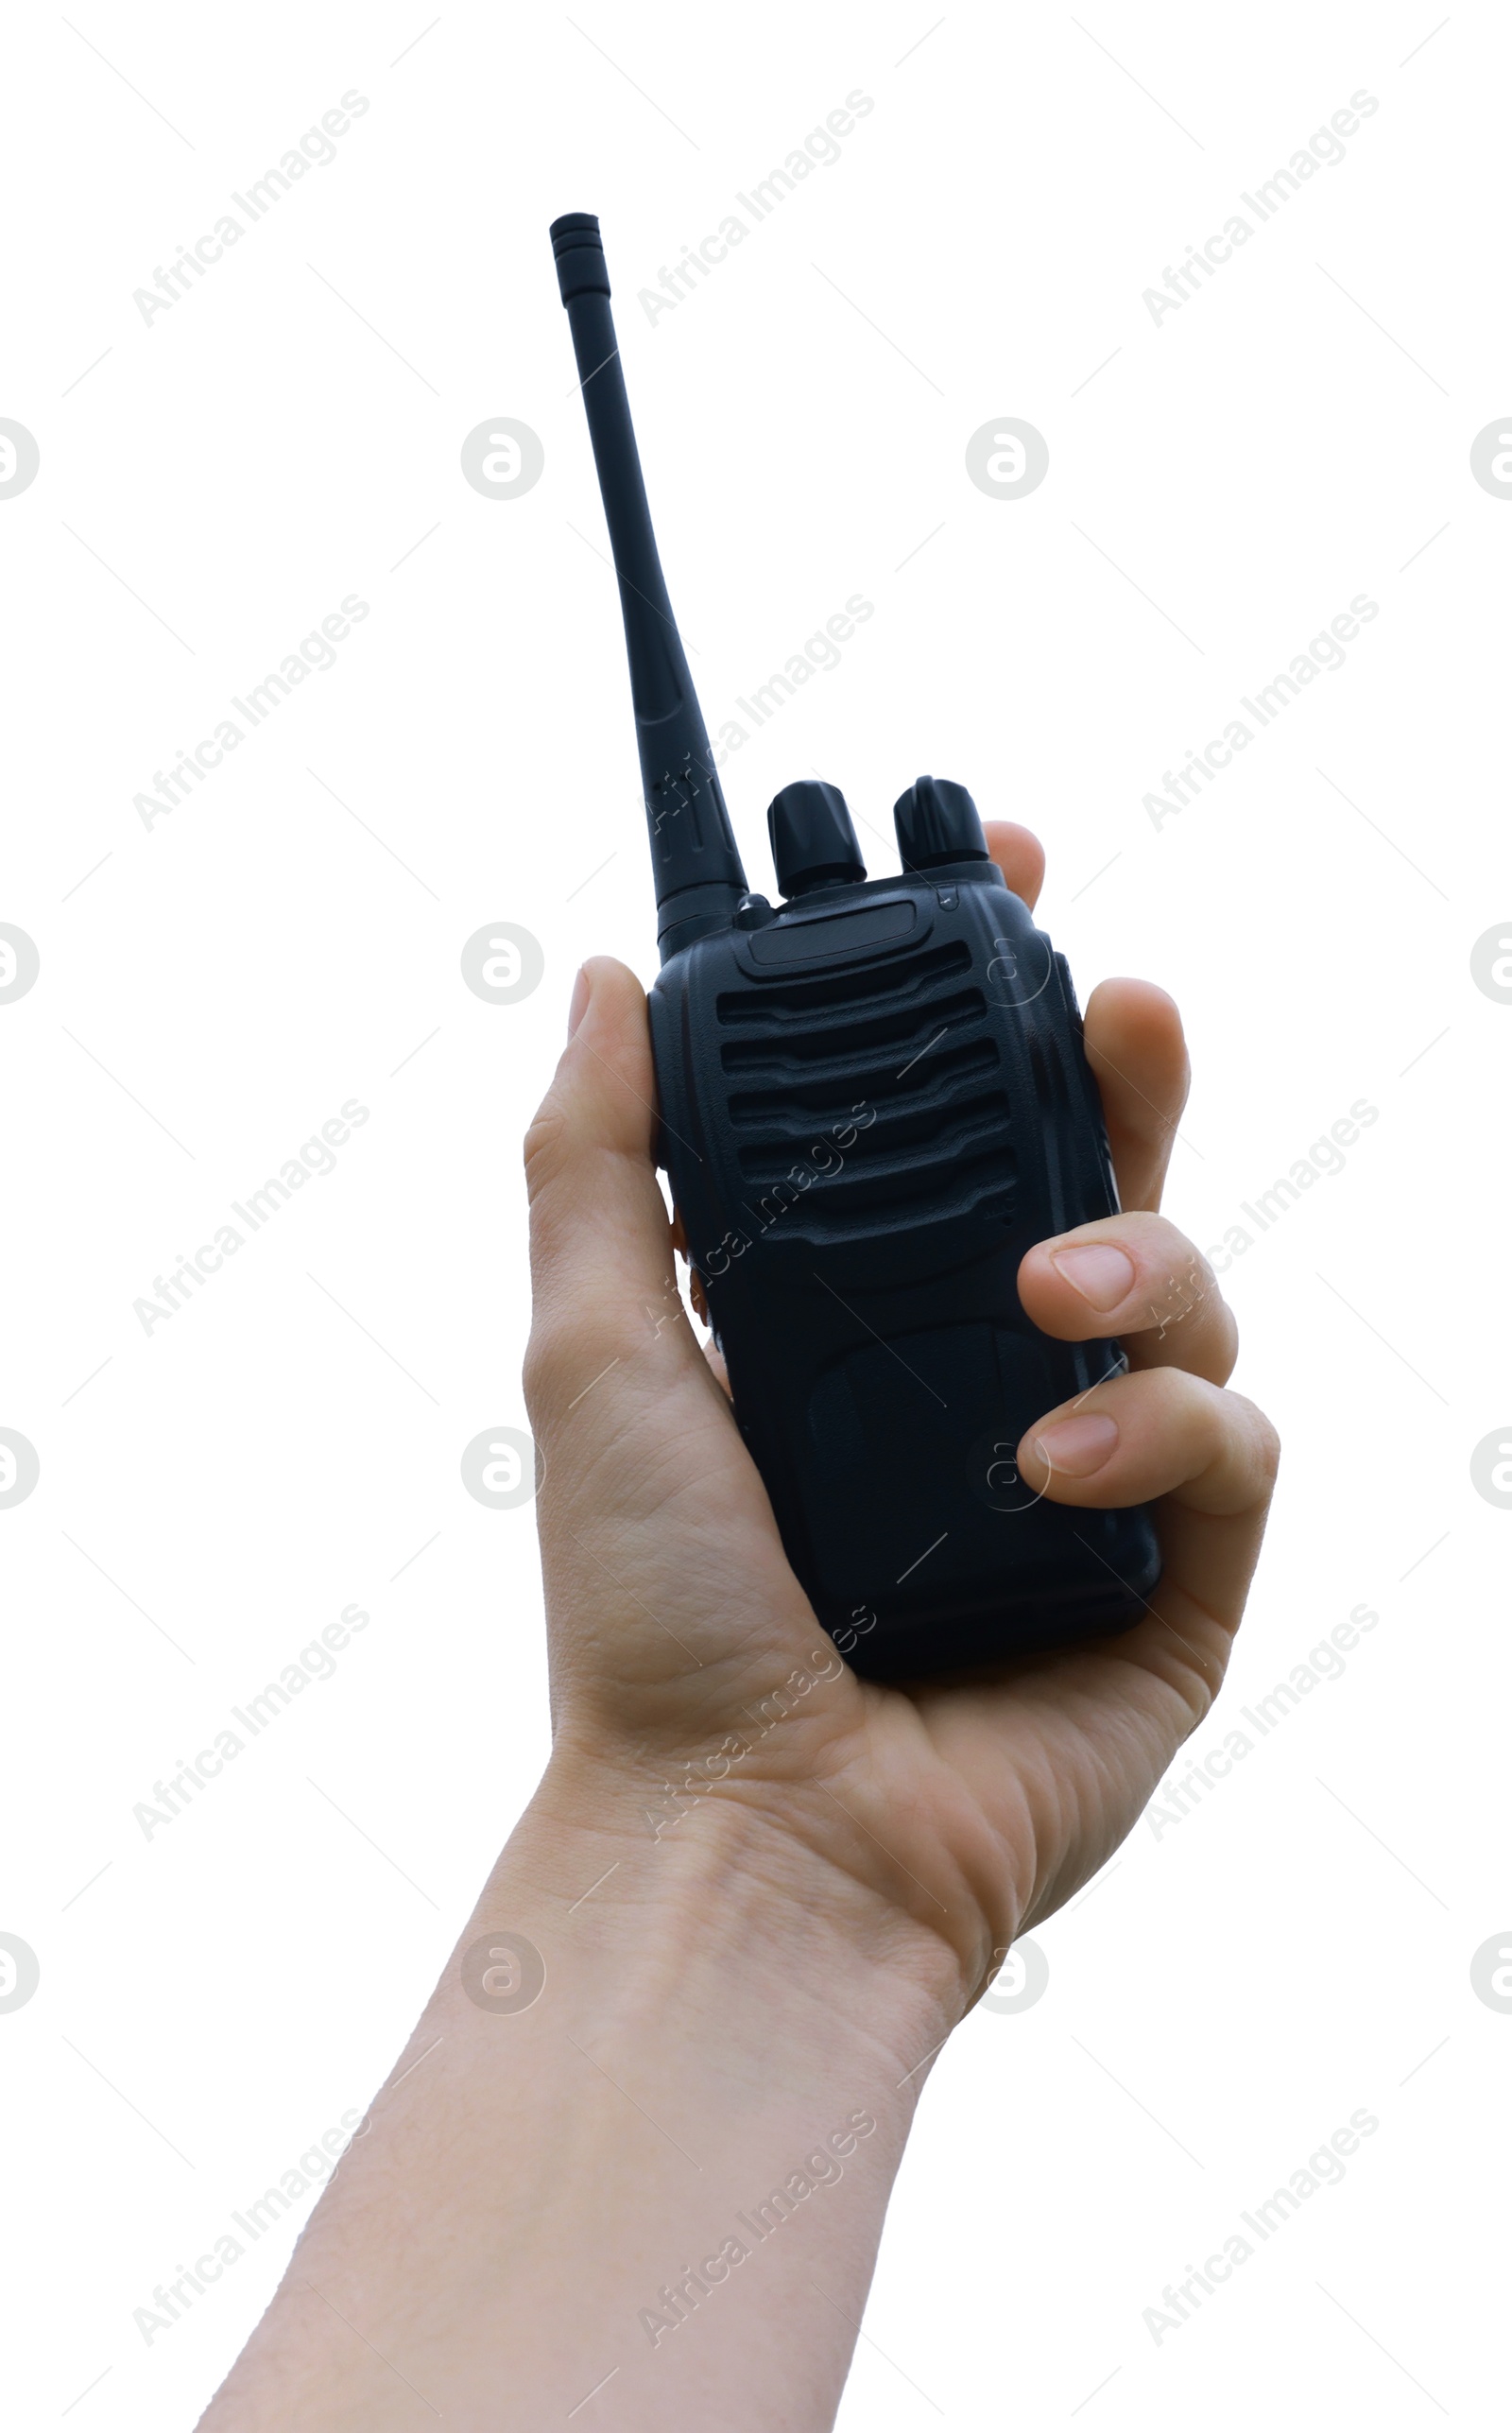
<point x="579" y="253"/>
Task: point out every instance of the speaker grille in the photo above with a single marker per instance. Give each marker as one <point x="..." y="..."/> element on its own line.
<point x="868" y="1094"/>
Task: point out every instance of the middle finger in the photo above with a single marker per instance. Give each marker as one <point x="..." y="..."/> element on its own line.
<point x="1136" y="1277"/>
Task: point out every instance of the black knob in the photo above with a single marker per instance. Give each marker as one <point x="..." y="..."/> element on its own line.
<point x="814" y="844"/>
<point x="936" y="821"/>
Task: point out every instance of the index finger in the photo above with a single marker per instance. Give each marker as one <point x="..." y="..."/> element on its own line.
<point x="1019" y="855"/>
<point x="1133" y="1039"/>
<point x="1139" y="1057"/>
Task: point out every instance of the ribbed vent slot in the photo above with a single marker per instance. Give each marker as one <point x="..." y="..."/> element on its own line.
<point x="875" y="1073"/>
<point x="878" y="1090"/>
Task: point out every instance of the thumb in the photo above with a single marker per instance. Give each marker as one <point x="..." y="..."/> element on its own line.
<point x="604" y="1275"/>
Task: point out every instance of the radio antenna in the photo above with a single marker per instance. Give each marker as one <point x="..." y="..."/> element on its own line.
<point x="693" y="857"/>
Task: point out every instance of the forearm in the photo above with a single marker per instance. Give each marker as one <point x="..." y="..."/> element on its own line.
<point x="636" y="2180"/>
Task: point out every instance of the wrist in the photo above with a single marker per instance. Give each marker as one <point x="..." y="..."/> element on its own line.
<point x="715" y="1905"/>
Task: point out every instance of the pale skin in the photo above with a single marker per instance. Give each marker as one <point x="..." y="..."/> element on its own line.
<point x="740" y="1962"/>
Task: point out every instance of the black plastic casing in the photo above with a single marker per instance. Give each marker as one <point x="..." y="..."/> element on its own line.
<point x="873" y="1103"/>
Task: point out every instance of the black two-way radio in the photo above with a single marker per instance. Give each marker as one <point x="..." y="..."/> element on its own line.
<point x="874" y="1100"/>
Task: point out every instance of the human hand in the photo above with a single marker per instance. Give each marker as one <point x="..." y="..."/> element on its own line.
<point x="937" y="1819"/>
<point x="759" y="1891"/>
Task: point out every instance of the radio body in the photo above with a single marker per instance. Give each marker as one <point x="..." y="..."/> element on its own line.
<point x="874" y="1104"/>
<point x="873" y="1100"/>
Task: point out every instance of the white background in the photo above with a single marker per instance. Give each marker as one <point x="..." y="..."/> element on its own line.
<point x="1221" y="485"/>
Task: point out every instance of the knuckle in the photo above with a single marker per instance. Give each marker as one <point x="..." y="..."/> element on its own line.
<point x="545" y="1148"/>
<point x="1267" y="1447"/>
<point x="1262" y="1444"/>
<point x="1166" y="1240"/>
<point x="576" y="1339"/>
<point x="538" y="1375"/>
<point x="555" y="1351"/>
<point x="1230" y="1337"/>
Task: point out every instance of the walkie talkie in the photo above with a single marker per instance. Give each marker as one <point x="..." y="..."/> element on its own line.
<point x="874" y="1100"/>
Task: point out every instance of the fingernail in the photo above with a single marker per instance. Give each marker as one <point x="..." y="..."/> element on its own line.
<point x="582" y="989"/>
<point x="1100" y="1271"/>
<point x="1079" y="1446"/>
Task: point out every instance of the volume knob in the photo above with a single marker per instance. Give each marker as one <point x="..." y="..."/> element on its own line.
<point x="814" y="844"/>
<point x="936" y="821"/>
